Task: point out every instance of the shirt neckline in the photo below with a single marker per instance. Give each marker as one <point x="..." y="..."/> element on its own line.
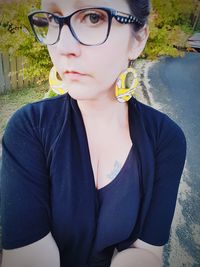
<point x="119" y="175"/>
<point x="77" y="111"/>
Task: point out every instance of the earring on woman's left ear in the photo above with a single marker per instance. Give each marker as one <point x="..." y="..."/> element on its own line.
<point x="56" y="83"/>
<point x="126" y="83"/>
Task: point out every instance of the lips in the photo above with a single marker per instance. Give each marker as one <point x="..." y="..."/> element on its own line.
<point x="73" y="72"/>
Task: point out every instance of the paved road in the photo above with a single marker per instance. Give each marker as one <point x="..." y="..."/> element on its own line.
<point x="173" y="86"/>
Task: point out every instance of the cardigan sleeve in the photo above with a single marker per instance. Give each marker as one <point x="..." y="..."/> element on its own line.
<point x="169" y="162"/>
<point x="24" y="184"/>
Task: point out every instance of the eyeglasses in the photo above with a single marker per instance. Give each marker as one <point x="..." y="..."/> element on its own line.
<point x="89" y="26"/>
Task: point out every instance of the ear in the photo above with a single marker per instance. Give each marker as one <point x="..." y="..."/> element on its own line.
<point x="138" y="42"/>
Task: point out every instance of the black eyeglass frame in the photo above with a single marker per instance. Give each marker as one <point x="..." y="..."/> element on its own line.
<point x="121" y="17"/>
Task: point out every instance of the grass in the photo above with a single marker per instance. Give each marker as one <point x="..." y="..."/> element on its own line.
<point x="13" y="100"/>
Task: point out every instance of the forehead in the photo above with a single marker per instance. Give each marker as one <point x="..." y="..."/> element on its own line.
<point x="68" y="6"/>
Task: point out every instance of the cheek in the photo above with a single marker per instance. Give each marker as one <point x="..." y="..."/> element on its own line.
<point x="109" y="59"/>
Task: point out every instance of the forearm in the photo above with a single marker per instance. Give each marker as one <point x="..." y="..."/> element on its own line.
<point x="42" y="253"/>
<point x="136" y="257"/>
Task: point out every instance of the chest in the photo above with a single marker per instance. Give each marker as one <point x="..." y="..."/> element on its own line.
<point x="108" y="153"/>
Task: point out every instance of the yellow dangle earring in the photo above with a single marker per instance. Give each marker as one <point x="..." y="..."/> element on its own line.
<point x="56" y="83"/>
<point x="126" y="83"/>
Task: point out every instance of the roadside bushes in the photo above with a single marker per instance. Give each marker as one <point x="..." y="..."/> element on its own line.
<point x="170" y="26"/>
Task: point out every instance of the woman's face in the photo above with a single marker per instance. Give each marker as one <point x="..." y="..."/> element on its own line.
<point x="99" y="66"/>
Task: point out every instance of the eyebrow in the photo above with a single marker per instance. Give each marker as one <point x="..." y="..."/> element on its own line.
<point x="82" y="3"/>
<point x="48" y="4"/>
<point x="78" y="4"/>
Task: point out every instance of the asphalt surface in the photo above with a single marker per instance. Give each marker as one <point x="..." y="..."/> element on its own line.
<point x="172" y="85"/>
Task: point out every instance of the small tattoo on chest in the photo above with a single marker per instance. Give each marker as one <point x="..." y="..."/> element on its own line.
<point x="115" y="171"/>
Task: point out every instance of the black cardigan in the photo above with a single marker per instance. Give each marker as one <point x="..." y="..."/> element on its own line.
<point x="47" y="140"/>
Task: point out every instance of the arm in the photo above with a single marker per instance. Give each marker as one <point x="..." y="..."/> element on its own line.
<point x="25" y="198"/>
<point x="41" y="253"/>
<point x="139" y="254"/>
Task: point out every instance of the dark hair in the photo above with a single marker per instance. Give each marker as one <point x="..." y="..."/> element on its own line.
<point x="140" y="9"/>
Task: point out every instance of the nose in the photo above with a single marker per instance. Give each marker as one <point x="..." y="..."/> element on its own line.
<point x="67" y="43"/>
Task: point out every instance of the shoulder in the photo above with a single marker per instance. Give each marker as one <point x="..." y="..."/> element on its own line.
<point x="40" y="112"/>
<point x="44" y="113"/>
<point x="159" y="126"/>
<point x="38" y="122"/>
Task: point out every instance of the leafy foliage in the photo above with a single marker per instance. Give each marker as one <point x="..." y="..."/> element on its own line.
<point x="170" y="26"/>
<point x="17" y="38"/>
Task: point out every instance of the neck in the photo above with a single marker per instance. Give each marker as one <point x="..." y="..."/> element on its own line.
<point x="104" y="111"/>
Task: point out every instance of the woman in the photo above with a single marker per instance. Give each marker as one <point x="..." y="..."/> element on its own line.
<point x="90" y="178"/>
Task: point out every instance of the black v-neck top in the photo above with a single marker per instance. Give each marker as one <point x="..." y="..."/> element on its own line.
<point x="116" y="216"/>
<point x="47" y="182"/>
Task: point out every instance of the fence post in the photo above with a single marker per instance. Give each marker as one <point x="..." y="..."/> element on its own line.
<point x="13" y="73"/>
<point x="25" y="80"/>
<point x="6" y="70"/>
<point x="2" y="80"/>
<point x="19" y="75"/>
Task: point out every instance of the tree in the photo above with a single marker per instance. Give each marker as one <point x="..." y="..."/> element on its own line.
<point x="170" y="26"/>
<point x="17" y="38"/>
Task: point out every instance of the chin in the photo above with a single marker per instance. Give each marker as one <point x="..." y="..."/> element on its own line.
<point x="82" y="94"/>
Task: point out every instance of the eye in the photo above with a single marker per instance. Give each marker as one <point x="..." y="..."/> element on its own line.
<point x="53" y="19"/>
<point x="93" y="17"/>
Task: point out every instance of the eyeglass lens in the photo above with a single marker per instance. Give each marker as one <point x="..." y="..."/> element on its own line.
<point x="90" y="26"/>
